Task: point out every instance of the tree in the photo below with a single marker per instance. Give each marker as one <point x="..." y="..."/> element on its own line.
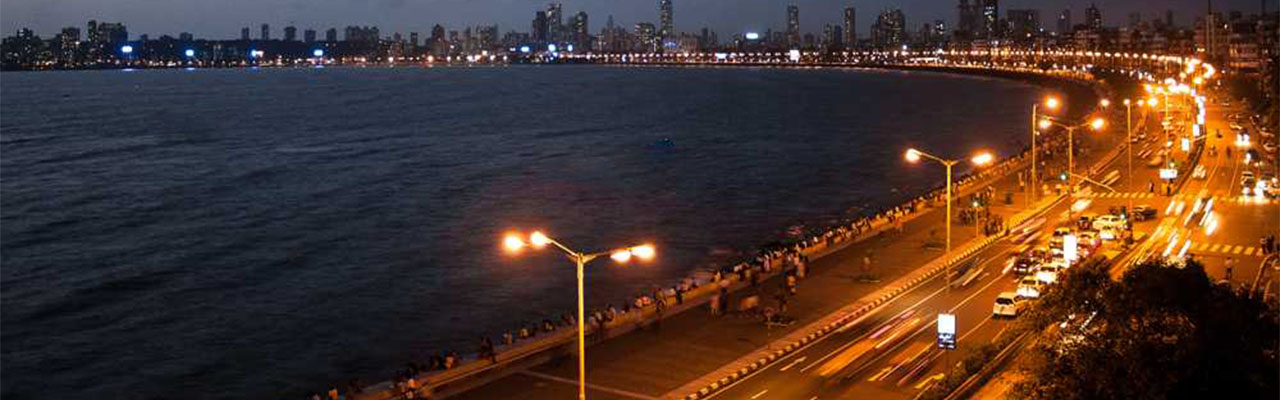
<point x="1163" y="331"/>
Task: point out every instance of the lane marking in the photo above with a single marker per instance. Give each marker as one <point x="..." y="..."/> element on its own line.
<point x="592" y="386"/>
<point x="792" y="364"/>
<point x="762" y="392"/>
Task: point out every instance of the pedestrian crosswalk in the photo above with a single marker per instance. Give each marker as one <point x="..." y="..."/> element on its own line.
<point x="1226" y="249"/>
<point x="1120" y="195"/>
<point x="1220" y="197"/>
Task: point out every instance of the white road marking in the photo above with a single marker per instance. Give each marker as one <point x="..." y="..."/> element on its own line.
<point x="762" y="392"/>
<point x="792" y="364"/>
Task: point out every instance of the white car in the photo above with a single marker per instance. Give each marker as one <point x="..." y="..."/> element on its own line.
<point x="1029" y="288"/>
<point x="1108" y="221"/>
<point x="1007" y="305"/>
<point x="1048" y="272"/>
<point x="1200" y="172"/>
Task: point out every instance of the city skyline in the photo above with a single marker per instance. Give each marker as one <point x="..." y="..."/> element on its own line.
<point x="402" y="16"/>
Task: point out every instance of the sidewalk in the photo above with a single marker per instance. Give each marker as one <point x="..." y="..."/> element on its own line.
<point x="653" y="361"/>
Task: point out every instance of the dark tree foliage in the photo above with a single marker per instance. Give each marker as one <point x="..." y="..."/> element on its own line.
<point x="1161" y="332"/>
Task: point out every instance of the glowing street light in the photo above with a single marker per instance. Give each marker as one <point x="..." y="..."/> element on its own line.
<point x="1104" y="103"/>
<point x="983" y="158"/>
<point x="514" y="243"/>
<point x="1096" y="124"/>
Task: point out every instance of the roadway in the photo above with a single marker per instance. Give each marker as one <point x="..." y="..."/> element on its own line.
<point x="893" y="353"/>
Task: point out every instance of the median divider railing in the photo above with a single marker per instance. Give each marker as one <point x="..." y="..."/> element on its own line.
<point x="799" y="339"/>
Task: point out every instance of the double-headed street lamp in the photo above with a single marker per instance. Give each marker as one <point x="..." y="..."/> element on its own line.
<point x="1052" y="104"/>
<point x="980" y="159"/>
<point x="1047" y="121"/>
<point x="537" y="240"/>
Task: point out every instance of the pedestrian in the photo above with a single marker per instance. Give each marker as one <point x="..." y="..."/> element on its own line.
<point x="679" y="296"/>
<point x="715" y="304"/>
<point x="1231" y="263"/>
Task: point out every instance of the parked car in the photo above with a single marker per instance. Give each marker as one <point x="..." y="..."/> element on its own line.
<point x="1007" y="305"/>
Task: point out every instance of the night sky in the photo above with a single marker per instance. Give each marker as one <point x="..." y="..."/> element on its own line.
<point x="222" y="19"/>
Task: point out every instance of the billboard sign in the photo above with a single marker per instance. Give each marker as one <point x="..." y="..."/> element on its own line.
<point x="947" y="331"/>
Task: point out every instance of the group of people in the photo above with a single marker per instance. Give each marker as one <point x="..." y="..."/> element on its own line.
<point x="791" y="259"/>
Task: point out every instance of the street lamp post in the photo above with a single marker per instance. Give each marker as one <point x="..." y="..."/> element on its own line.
<point x="621" y="255"/>
<point x="1052" y="104"/>
<point x="980" y="159"/>
<point x="1095" y="124"/>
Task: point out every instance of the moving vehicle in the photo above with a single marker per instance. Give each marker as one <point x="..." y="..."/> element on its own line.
<point x="1007" y="305"/>
<point x="1029" y="288"/>
<point x="1107" y="221"/>
<point x="1048" y="273"/>
<point x="1144" y="212"/>
<point x="1200" y="172"/>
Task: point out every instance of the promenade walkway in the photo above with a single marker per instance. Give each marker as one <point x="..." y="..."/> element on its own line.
<point x="656" y="360"/>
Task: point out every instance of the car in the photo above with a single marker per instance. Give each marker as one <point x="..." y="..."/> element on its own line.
<point x="1088" y="241"/>
<point x="1007" y="305"/>
<point x="1143" y="213"/>
<point x="1048" y="272"/>
<point x="1248" y="186"/>
<point x="1107" y="221"/>
<point x="1200" y="172"/>
<point x="1107" y="234"/>
<point x="1029" y="288"/>
<point x="1025" y="264"/>
<point x="1155" y="161"/>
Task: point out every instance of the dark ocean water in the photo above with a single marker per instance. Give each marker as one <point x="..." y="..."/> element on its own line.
<point x="262" y="233"/>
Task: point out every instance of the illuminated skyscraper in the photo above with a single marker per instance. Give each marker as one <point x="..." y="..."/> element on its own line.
<point x="990" y="19"/>
<point x="665" y="16"/>
<point x="850" y="27"/>
<point x="793" y="26"/>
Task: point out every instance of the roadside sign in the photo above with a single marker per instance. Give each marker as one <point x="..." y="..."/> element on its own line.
<point x="1168" y="173"/>
<point x="1070" y="248"/>
<point x="946" y="331"/>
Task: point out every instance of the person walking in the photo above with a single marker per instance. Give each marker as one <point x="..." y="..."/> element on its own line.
<point x="1231" y="263"/>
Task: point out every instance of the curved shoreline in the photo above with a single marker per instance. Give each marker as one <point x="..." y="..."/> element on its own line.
<point x="694" y="290"/>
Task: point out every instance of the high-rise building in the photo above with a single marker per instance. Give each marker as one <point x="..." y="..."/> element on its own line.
<point x="990" y="27"/>
<point x="540" y="27"/>
<point x="266" y="32"/>
<point x="1135" y="18"/>
<point x="890" y="30"/>
<point x="668" y="32"/>
<point x="413" y="38"/>
<point x="331" y="35"/>
<point x="244" y="33"/>
<point x="1064" y="22"/>
<point x="1024" y="25"/>
<point x="555" y="22"/>
<point x="793" y="26"/>
<point x="69" y="43"/>
<point x="850" y="27"/>
<point x="290" y="33"/>
<point x="645" y="34"/>
<point x="581" y="31"/>
<point x="309" y="36"/>
<point x="966" y="21"/>
<point x="108" y="32"/>
<point x="1093" y="17"/>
